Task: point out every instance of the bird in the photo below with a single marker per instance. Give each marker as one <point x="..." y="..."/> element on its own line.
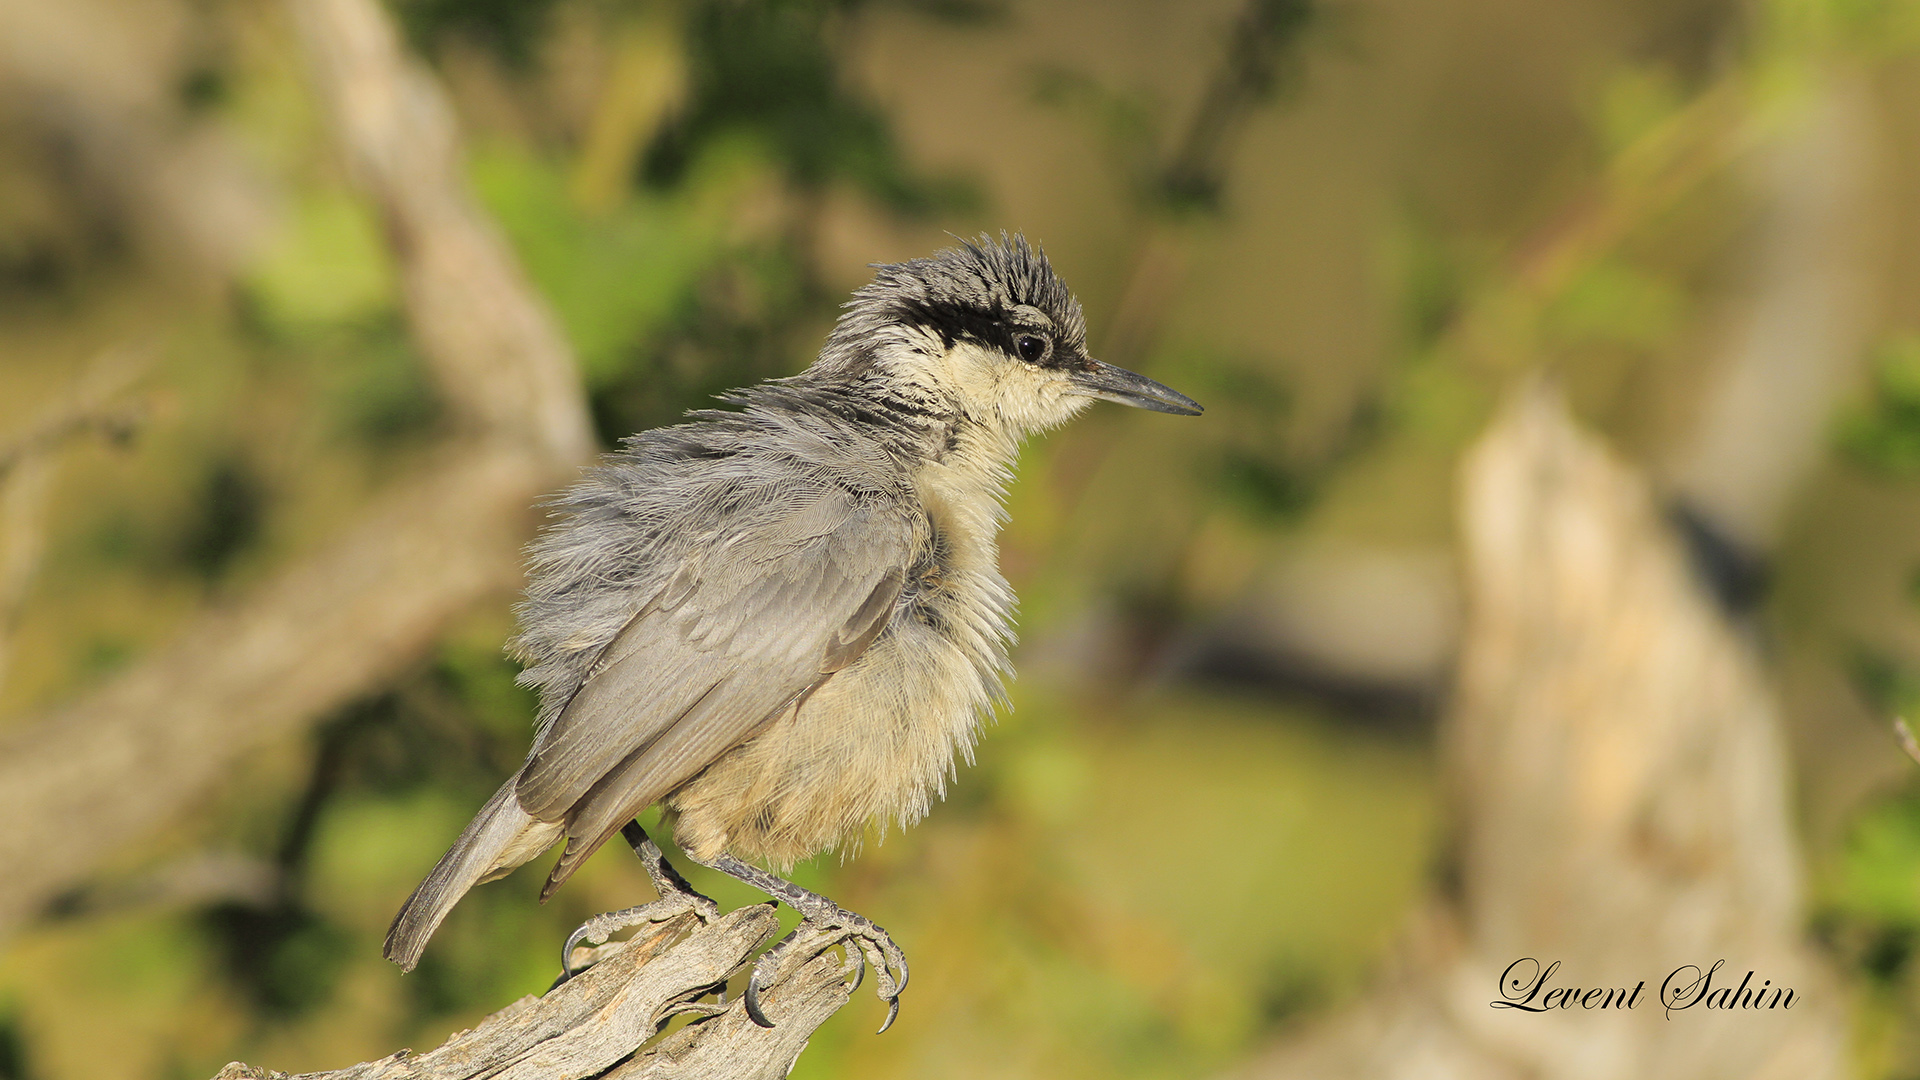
<point x="781" y="621"/>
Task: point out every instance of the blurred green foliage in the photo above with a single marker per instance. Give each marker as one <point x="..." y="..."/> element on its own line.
<point x="1880" y="877"/>
<point x="13" y="1050"/>
<point x="1883" y="433"/>
<point x="225" y="519"/>
<point x="513" y="30"/>
<point x="768" y="71"/>
<point x="614" y="279"/>
<point x="1614" y="302"/>
<point x="1256" y="469"/>
<point x="1063" y="912"/>
<point x="328" y="266"/>
<point x="1869" y="917"/>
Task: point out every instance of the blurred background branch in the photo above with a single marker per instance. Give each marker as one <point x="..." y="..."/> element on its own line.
<point x="101" y="772"/>
<point x="1794" y="343"/>
<point x="1262" y="56"/>
<point x="30" y="463"/>
<point x="497" y="357"/>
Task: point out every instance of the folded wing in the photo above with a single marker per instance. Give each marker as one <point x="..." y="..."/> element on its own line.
<point x="777" y="604"/>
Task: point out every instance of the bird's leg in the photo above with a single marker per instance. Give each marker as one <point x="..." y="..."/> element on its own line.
<point x="677" y="897"/>
<point x="823" y="924"/>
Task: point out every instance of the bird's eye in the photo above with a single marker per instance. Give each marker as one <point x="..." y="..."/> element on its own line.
<point x="1032" y="347"/>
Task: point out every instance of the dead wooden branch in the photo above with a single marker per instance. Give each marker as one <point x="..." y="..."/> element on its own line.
<point x="597" y="1024"/>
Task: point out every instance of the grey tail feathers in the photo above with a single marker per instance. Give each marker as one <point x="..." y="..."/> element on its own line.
<point x="500" y="837"/>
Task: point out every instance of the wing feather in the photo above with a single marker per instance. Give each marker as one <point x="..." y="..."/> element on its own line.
<point x="792" y="594"/>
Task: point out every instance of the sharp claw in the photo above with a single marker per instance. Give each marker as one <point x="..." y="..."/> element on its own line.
<point x="878" y="961"/>
<point x="596" y="931"/>
<point x="883" y="959"/>
<point x="865" y="943"/>
<point x="752" y="1001"/>
<point x="601" y="928"/>
<point x="566" y="954"/>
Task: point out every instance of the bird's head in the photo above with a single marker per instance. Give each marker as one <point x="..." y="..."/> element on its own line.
<point x="987" y="332"/>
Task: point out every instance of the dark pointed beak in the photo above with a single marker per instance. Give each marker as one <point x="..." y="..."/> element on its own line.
<point x="1111" y="383"/>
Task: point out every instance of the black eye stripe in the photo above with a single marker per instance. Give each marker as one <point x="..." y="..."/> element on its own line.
<point x="952" y="321"/>
<point x="961" y="322"/>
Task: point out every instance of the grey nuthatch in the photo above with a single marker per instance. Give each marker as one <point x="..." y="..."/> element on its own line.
<point x="780" y="623"/>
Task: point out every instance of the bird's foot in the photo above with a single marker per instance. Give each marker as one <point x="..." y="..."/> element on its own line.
<point x="819" y="932"/>
<point x="823" y="924"/>
<point x="677" y="897"/>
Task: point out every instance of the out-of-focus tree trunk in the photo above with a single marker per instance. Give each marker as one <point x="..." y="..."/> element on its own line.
<point x="1616" y="769"/>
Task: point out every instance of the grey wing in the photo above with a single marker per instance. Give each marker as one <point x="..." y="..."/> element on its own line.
<point x="746" y="628"/>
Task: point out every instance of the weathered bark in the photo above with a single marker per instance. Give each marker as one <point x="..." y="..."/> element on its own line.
<point x="1616" y="769"/>
<point x="593" y="1025"/>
